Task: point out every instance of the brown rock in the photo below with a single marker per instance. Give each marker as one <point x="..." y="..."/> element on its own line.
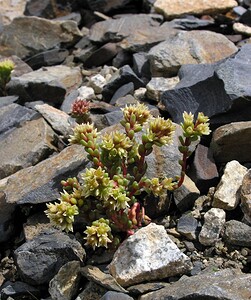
<point x="246" y="196"/>
<point x="171" y="9"/>
<point x="232" y="142"/>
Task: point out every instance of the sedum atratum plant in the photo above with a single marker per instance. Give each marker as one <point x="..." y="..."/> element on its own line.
<point x="6" y="67"/>
<point x="109" y="194"/>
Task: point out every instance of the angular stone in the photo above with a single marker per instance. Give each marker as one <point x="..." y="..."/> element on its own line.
<point x="45" y="177"/>
<point x="47" y="58"/>
<point x="187" y="226"/>
<point x="92" y="291"/>
<point x="64" y="285"/>
<point x="26" y="146"/>
<point x="188" y="47"/>
<point x="110" y="295"/>
<point x="232" y="142"/>
<point x="214" y="221"/>
<point x="97" y="82"/>
<point x="228" y="284"/>
<point x="106" y="280"/>
<point x="56" y="118"/>
<point x="102" y="55"/>
<point x="144" y="38"/>
<point x="237" y="233"/>
<point x="171" y="9"/>
<point x="11" y="10"/>
<point x="26" y="36"/>
<point x="246" y="196"/>
<point x="227" y="195"/>
<point x="37" y="224"/>
<point x="122" y="58"/>
<point x="49" y="84"/>
<point x="191" y="23"/>
<point x="18" y="290"/>
<point x="115" y="30"/>
<point x="185" y="196"/>
<point x="144" y="288"/>
<point x="141" y="66"/>
<point x="226" y="93"/>
<point x="242" y="29"/>
<point x="246" y="17"/>
<point x="86" y="92"/>
<point x="13" y="115"/>
<point x="123" y="91"/>
<point x="124" y="76"/>
<point x="7" y="100"/>
<point x="21" y="67"/>
<point x="203" y="170"/>
<point x="40" y="259"/>
<point x="157" y="85"/>
<point x="147" y="255"/>
<point x="106" y="5"/>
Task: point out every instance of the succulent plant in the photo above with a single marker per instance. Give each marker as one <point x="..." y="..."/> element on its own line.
<point x="6" y="67"/>
<point x="109" y="194"/>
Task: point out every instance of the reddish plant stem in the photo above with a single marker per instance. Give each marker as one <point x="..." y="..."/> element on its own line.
<point x="184" y="160"/>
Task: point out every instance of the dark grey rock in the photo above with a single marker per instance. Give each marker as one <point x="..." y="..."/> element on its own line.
<point x="222" y="91"/>
<point x="26" y="146"/>
<point x="125" y="76"/>
<point x="232" y="142"/>
<point x="102" y="55"/>
<point x="19" y="39"/>
<point x="39" y="260"/>
<point x="225" y="284"/>
<point x="47" y="58"/>
<point x="13" y="115"/>
<point x="115" y="30"/>
<point x="18" y="290"/>
<point x="246" y="197"/>
<point x="92" y="291"/>
<point x="246" y="17"/>
<point x="144" y="288"/>
<point x="106" y="5"/>
<point x="68" y="101"/>
<point x="141" y="66"/>
<point x="65" y="284"/>
<point x="122" y="58"/>
<point x="124" y="90"/>
<point x="191" y="22"/>
<point x="115" y="296"/>
<point x="237" y="233"/>
<point x="45" y="177"/>
<point x="8" y="100"/>
<point x="187" y="226"/>
<point x="82" y="55"/>
<point x="203" y="170"/>
<point x="49" y="84"/>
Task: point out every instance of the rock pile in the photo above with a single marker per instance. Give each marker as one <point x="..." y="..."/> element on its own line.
<point x="175" y="56"/>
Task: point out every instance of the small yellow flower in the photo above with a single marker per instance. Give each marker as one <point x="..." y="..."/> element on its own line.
<point x="161" y="131"/>
<point x="62" y="214"/>
<point x="139" y="113"/>
<point x="96" y="183"/>
<point x="99" y="234"/>
<point x="83" y="132"/>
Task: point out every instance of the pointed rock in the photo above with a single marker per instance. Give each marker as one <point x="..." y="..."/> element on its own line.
<point x="148" y="255"/>
<point x="227" y="195"/>
<point x="171" y="9"/>
<point x="26" y="36"/>
<point x="26" y="146"/>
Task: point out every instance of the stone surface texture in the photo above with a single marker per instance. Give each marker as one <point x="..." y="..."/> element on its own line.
<point x="227" y="195"/>
<point x="148" y="254"/>
<point x="172" y="9"/>
<point x="246" y="196"/>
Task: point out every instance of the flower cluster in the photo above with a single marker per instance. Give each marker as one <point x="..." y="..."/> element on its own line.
<point x="80" y="110"/>
<point x="6" y="67"/>
<point x="110" y="193"/>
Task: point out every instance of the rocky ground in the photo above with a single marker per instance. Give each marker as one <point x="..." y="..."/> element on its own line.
<point x="175" y="56"/>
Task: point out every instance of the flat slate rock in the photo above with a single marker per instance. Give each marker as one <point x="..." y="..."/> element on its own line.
<point x="13" y="115"/>
<point x="27" y="36"/>
<point x="49" y="84"/>
<point x="26" y="146"/>
<point x="228" y="284"/>
<point x="225" y="88"/>
<point x="171" y="9"/>
<point x="188" y="47"/>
